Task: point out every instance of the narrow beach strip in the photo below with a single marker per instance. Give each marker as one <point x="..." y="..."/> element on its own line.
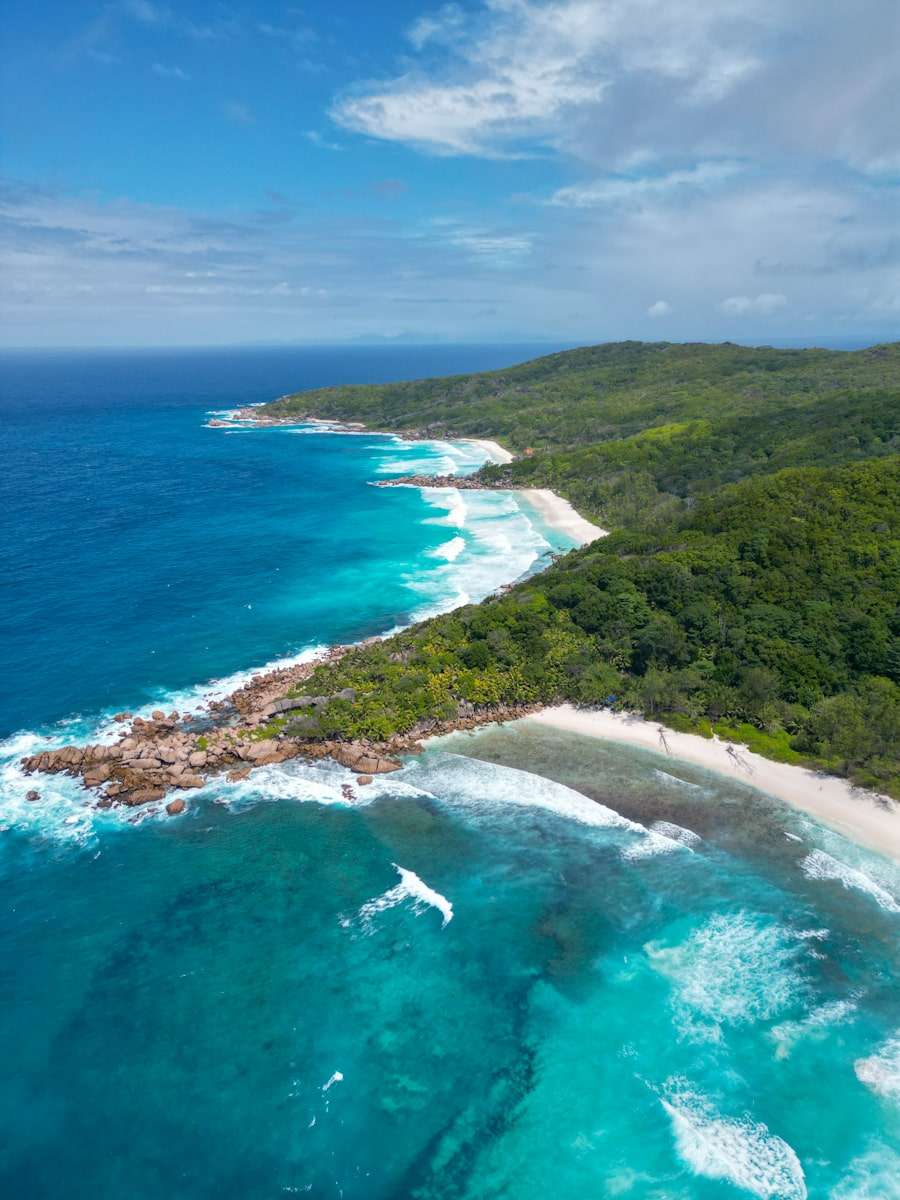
<point x="493" y="450"/>
<point x="559" y="514"/>
<point x="870" y="820"/>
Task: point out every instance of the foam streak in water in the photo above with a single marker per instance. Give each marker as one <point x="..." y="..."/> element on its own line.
<point x="494" y="543"/>
<point x="410" y="887"/>
<point x="735" y="969"/>
<point x="743" y="1152"/>
<point x="819" y="865"/>
<point x="815" y="1025"/>
<point x="881" y="1071"/>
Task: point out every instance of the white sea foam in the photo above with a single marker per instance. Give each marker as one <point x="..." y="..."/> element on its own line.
<point x="186" y="699"/>
<point x="474" y="784"/>
<point x="450" y="551"/>
<point x="63" y="797"/>
<point x="663" y="837"/>
<point x="735" y="969"/>
<point x="881" y="1071"/>
<point x="873" y="1175"/>
<point x="494" y="543"/>
<point x="677" y="833"/>
<point x="450" y="501"/>
<point x="819" y="865"/>
<point x="674" y="780"/>
<point x="320" y="782"/>
<point x="431" y="458"/>
<point x="490" y="787"/>
<point x="814" y="1025"/>
<point x="63" y="813"/>
<point x="410" y="888"/>
<point x="66" y="811"/>
<point x="742" y="1151"/>
<point x="652" y="844"/>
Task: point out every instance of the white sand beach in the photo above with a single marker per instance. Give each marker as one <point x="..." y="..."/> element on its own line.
<point x="561" y="515"/>
<point x="863" y="817"/>
<point x="493" y="449"/>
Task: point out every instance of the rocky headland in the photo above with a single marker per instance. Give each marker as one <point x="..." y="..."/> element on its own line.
<point x="255" y="414"/>
<point x="463" y="483"/>
<point x="258" y="725"/>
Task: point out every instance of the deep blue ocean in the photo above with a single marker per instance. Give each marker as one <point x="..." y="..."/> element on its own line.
<point x="528" y="965"/>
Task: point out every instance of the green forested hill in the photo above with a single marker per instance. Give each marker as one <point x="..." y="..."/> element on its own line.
<point x="579" y="397"/>
<point x="752" y="576"/>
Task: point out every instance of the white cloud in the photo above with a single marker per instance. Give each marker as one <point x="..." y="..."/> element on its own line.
<point x="169" y="72"/>
<point x="471" y="119"/>
<point x="445" y="25"/>
<point x="313" y="136"/>
<point x="143" y="271"/>
<point x="519" y="67"/>
<point x="683" y="79"/>
<point x="625" y="190"/>
<point x="487" y="247"/>
<point x="762" y="305"/>
<point x="145" y="12"/>
<point x="239" y="113"/>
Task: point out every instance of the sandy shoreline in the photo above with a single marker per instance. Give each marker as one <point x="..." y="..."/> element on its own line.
<point x="557" y="512"/>
<point x="560" y="514"/>
<point x="869" y="820"/>
<point x="494" y="450"/>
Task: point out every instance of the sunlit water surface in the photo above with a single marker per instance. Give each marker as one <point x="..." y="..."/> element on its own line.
<point x="528" y="965"/>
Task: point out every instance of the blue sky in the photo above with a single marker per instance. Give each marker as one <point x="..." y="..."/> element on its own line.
<point x="576" y="170"/>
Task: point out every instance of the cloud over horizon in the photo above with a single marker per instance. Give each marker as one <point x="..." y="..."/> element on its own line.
<point x="506" y="169"/>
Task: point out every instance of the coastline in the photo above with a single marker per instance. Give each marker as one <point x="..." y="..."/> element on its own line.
<point x="494" y="450"/>
<point x="139" y="760"/>
<point x="870" y="820"/>
<point x="864" y="817"/>
<point x="554" y="510"/>
<point x="560" y="515"/>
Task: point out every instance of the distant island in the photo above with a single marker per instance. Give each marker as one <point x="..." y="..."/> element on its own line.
<point x="749" y="588"/>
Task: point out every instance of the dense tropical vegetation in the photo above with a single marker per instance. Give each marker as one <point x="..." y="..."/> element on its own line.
<point x="751" y="581"/>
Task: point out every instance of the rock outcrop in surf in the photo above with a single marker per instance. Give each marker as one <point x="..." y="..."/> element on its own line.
<point x="261" y="724"/>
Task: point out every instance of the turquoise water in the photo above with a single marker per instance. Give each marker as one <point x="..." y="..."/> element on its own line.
<point x="143" y="553"/>
<point x="527" y="965"/>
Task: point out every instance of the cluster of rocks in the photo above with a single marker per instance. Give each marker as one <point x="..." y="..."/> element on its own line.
<point x="157" y="755"/>
<point x="167" y="752"/>
<point x="471" y="483"/>
<point x="266" y="695"/>
<point x="263" y="417"/>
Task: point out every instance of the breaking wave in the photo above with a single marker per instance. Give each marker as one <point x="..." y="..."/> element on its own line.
<point x="742" y="1151"/>
<point x="677" y="833"/>
<point x="819" y="865"/>
<point x="494" y="543"/>
<point x="880" y="1072"/>
<point x="736" y="969"/>
<point x="410" y="888"/>
<point x="815" y="1025"/>
<point x="473" y="784"/>
<point x="873" y="1175"/>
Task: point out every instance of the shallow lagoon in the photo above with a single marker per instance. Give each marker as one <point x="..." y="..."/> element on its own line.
<point x="607" y="1011"/>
